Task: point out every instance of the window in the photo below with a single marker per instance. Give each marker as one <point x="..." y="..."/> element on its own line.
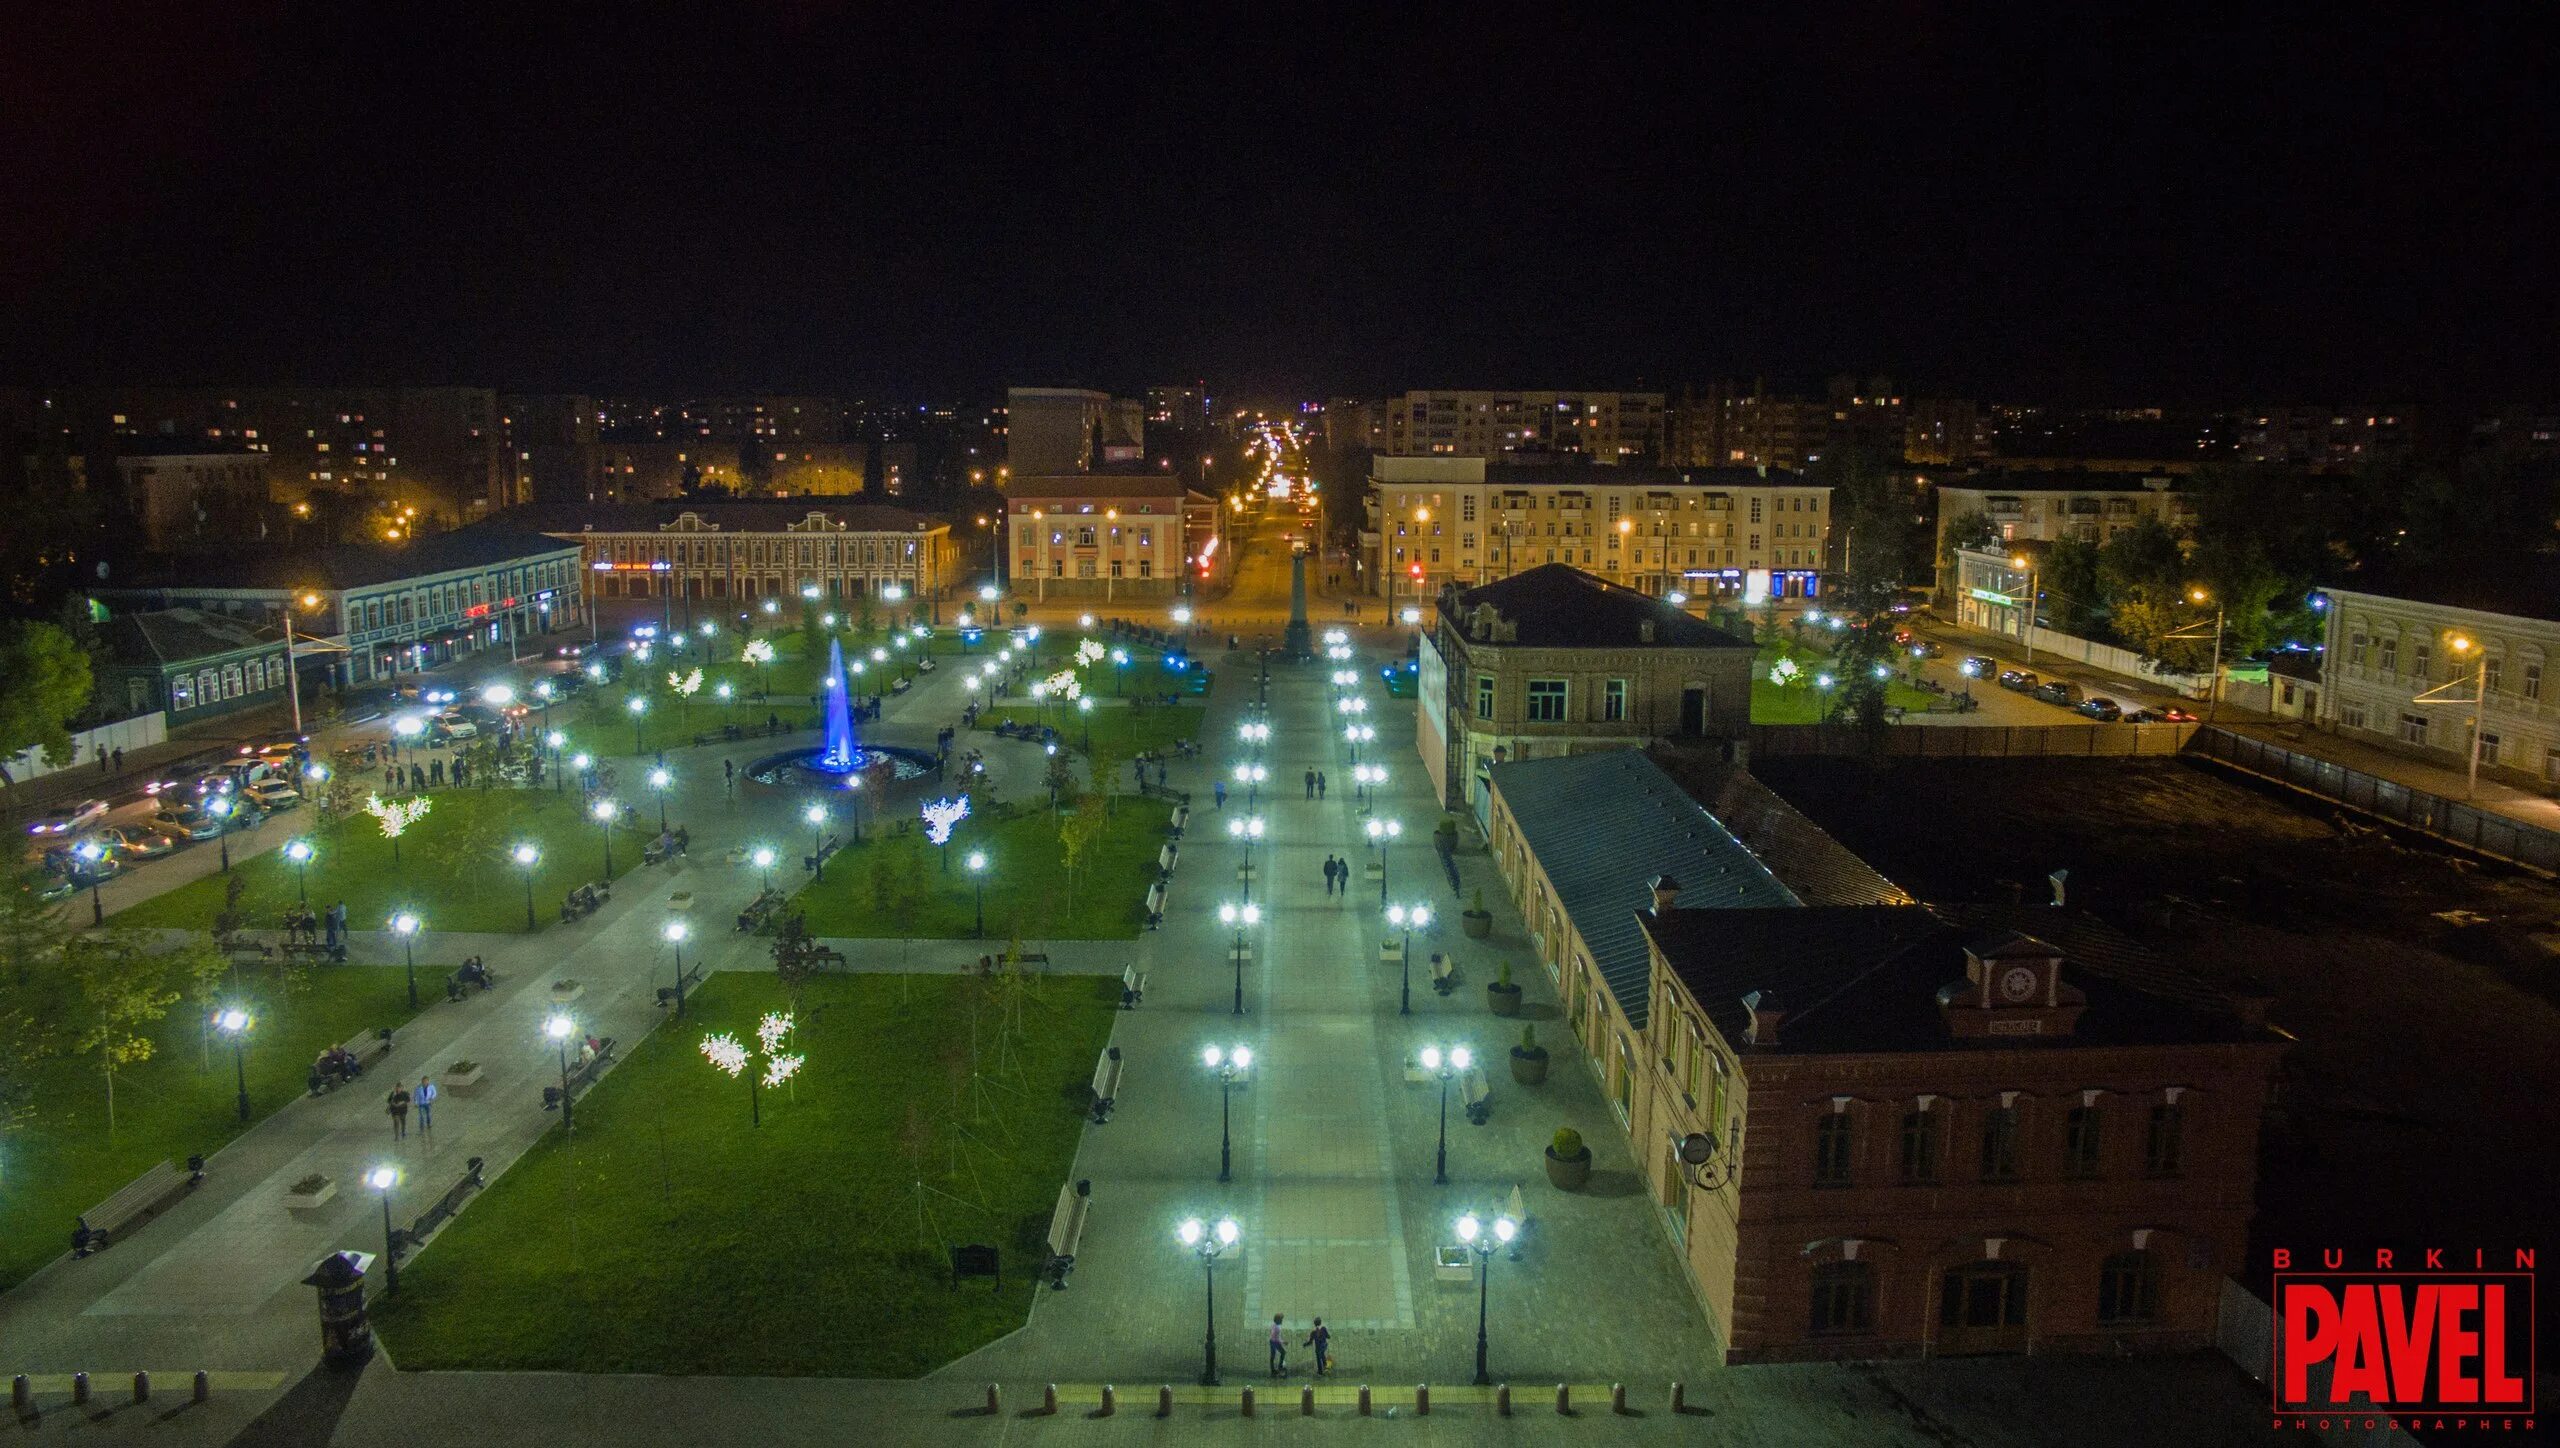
<point x="2390" y="656"/>
<point x="1613" y="700"/>
<point x="2000" y="1144"/>
<point x="182" y="693"/>
<point x="2080" y="1142"/>
<point x="2128" y="1288"/>
<point x="2490" y="744"/>
<point x="1843" y="1297"/>
<point x="1484" y="696"/>
<point x="1831" y="1144"/>
<point x="2162" y="1146"/>
<point x="2351" y="715"/>
<point x="2493" y="673"/>
<point x="1919" y="1148"/>
<point x="2421" y="660"/>
<point x="2533" y="680"/>
<point x="1546" y="701"/>
<point x="2413" y="728"/>
<point x="1755" y="512"/>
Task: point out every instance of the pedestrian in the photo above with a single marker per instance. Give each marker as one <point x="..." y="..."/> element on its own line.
<point x="1218" y="788"/>
<point x="1321" y="1339"/>
<point x="1279" y="1349"/>
<point x="391" y="777"/>
<point x="425" y="1097"/>
<point x="728" y="774"/>
<point x="337" y="923"/>
<point x="435" y="773"/>
<point x="1311" y="784"/>
<point x="119" y="759"/>
<point x="1319" y="784"/>
<point x="398" y="1106"/>
<point x="102" y="759"/>
<point x="417" y="779"/>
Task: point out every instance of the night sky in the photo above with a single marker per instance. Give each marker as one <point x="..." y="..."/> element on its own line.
<point x="931" y="200"/>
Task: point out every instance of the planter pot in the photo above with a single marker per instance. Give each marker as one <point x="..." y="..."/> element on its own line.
<point x="563" y="994"/>
<point x="306" y="1201"/>
<point x="1527" y="1069"/>
<point x="1505" y="999"/>
<point x="1568" y="1173"/>
<point x="453" y="1080"/>
<point x="1477" y="923"/>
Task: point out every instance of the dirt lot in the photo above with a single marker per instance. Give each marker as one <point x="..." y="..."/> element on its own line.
<point x="2422" y="1103"/>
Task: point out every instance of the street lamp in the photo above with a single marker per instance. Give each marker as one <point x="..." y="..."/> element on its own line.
<point x="526" y="856"/>
<point x="220" y="807"/>
<point x="1370" y="778"/>
<point x="606" y="812"/>
<point x="978" y="878"/>
<point x="1408" y="919"/>
<point x="582" y="762"/>
<point x="1256" y="734"/>
<point x="816" y="815"/>
<point x="1206" y="1245"/>
<point x="1239" y="916"/>
<point x="1084" y="710"/>
<point x="638" y="707"/>
<point x="1119" y="668"/>
<point x="299" y="851"/>
<point x="382" y="1179"/>
<point x="560" y="1028"/>
<point x="2027" y="638"/>
<point x="405" y="925"/>
<point x="553" y="739"/>
<point x="2466" y="648"/>
<point x="1251" y="777"/>
<point x="675" y="931"/>
<point x="1472" y="1234"/>
<point x="763" y="858"/>
<point x="94" y="855"/>
<point x="1379" y="832"/>
<point x="1446" y="1064"/>
<point x="405" y="730"/>
<point x="1245" y="830"/>
<point x="1228" y="1064"/>
<point x="2213" y="689"/>
<point x="659" y="779"/>
<point x="234" y="1022"/>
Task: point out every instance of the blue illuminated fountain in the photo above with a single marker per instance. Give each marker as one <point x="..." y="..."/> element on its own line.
<point x="837" y="754"/>
<point x="837" y="759"/>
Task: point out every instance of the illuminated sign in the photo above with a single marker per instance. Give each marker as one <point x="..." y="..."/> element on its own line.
<point x="1988" y="596"/>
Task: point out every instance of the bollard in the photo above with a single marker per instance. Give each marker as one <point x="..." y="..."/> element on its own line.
<point x="1110" y="1400"/>
<point x="1364" y="1400"/>
<point x="142" y="1387"/>
<point x="1617" y="1397"/>
<point x="21" y="1392"/>
<point x="1049" y="1400"/>
<point x="1564" y="1398"/>
<point x="204" y="1386"/>
<point x="995" y="1401"/>
<point x="1244" y="1400"/>
<point x="1422" y="1400"/>
<point x="79" y="1387"/>
<point x="1502" y="1399"/>
<point x="1307" y="1401"/>
<point x="1679" y="1397"/>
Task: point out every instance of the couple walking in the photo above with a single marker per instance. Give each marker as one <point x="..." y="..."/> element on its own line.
<point x="1320" y="1339"/>
<point x="1337" y="876"/>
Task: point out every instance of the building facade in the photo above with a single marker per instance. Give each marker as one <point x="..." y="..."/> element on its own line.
<point x="194" y="496"/>
<point x="1117" y="532"/>
<point x="2404" y="659"/>
<point x="1606" y="427"/>
<point x="696" y="550"/>
<point x="1724" y="535"/>
<point x="1554" y="661"/>
<point x="1052" y="431"/>
<point x="189" y="665"/>
<point x="2047" y="507"/>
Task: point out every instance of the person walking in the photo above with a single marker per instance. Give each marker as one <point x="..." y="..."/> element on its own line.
<point x="1311" y="784"/>
<point x="1321" y="1339"/>
<point x="1279" y="1349"/>
<point x="119" y="753"/>
<point x="1219" y="788"/>
<point x="425" y="1100"/>
<point x="435" y="773"/>
<point x="1328" y="877"/>
<point x="398" y="1106"/>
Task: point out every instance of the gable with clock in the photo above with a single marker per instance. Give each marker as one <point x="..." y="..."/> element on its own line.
<point x="2012" y="990"/>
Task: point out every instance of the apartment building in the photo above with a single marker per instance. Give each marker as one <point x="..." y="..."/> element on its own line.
<point x="2404" y="657"/>
<point x="191" y="494"/>
<point x="2327" y="438"/>
<point x="1713" y="534"/>
<point x="1050" y="431"/>
<point x="2022" y="506"/>
<point x="1106" y="534"/>
<point x="1606" y="427"/>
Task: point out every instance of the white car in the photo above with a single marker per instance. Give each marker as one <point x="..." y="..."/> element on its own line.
<point x="272" y="796"/>
<point x="70" y="819"/>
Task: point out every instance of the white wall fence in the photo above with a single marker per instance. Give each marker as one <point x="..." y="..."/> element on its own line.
<point x="2117" y="661"/>
<point x="125" y="734"/>
<point x="2245" y="1332"/>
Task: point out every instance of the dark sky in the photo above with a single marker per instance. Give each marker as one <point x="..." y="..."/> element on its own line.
<point x="2075" y="201"/>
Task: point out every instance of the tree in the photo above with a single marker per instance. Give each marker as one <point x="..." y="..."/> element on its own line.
<point x="1972" y="528"/>
<point x="45" y="681"/>
<point x="31" y="927"/>
<point x="794" y="956"/>
<point x="24" y="1045"/>
<point x="2074" y="595"/>
<point x="1078" y="831"/>
<point x="125" y="990"/>
<point x="1060" y="776"/>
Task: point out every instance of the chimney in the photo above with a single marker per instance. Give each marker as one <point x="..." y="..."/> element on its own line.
<point x="1665" y="891"/>
<point x="1765" y="1015"/>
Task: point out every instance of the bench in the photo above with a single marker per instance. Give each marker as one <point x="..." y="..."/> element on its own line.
<point x="901" y="686"/>
<point x="1444" y="973"/>
<point x="826" y="955"/>
<point x="1066" y="1229"/>
<point x="1155" y="904"/>
<point x="759" y="912"/>
<point x="1181" y="819"/>
<point x="315" y="950"/>
<point x="826" y="850"/>
<point x="691" y="979"/>
<point x="582" y="1075"/>
<point x="408" y="1238"/>
<point x="1168" y="857"/>
<point x="135" y="1203"/>
<point x="365" y="1047"/>
<point x="1479" y="1095"/>
<point x="1133" y="987"/>
<point x="1106" y="1083"/>
<point x="242" y="945"/>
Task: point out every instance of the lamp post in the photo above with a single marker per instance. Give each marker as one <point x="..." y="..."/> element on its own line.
<point x="659" y="779"/>
<point x="382" y="1179"/>
<point x="1406" y="918"/>
<point x="299" y="851"/>
<point x="2027" y="637"/>
<point x="1119" y="670"/>
<point x="405" y="731"/>
<point x="1206" y="1244"/>
<point x="1445" y="1064"/>
<point x="1084" y="711"/>
<point x="639" y="707"/>
<point x="553" y="739"/>
<point x="560" y="1028"/>
<point x="1472" y="1234"/>
<point x="220" y="808"/>
<point x="853" y="787"/>
<point x="526" y="856"/>
<point x="1251" y="777"/>
<point x="1379" y="832"/>
<point x="1256" y="733"/>
<point x="763" y="858"/>
<point x="582" y="762"/>
<point x="1245" y="830"/>
<point x="1228" y="1063"/>
<point x="234" y="1022"/>
<point x="1239" y="916"/>
<point x="606" y="812"/>
<point x="816" y="815"/>
<point x="978" y="879"/>
<point x="2213" y="690"/>
<point x="675" y="931"/>
<point x="2466" y="648"/>
<point x="93" y="855"/>
<point x="405" y="925"/>
<point x="543" y="693"/>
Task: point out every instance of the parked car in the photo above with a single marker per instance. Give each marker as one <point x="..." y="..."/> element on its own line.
<point x="273" y="796"/>
<point x="2102" y="709"/>
<point x="196" y="822"/>
<point x="137" y="841"/>
<point x="2019" y="679"/>
<point x="1980" y="666"/>
<point x="271" y="749"/>
<point x="69" y="819"/>
<point x="2060" y="691"/>
<point x="455" y="724"/>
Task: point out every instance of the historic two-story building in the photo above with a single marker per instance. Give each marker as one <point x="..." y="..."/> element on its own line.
<point x="2405" y="657"/>
<point x="681" y="552"/>
<point x="1113" y="532"/>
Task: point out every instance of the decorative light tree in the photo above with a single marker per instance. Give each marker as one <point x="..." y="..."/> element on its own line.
<point x="939" y="817"/>
<point x="758" y="653"/>
<point x="727" y="1053"/>
<point x="396" y="818"/>
<point x="685" y="686"/>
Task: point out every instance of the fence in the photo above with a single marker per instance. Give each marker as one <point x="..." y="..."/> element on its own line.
<point x="2483" y="831"/>
<point x="2116" y="661"/>
<point x="1942" y="741"/>
<point x="135" y="733"/>
<point x="2244" y="1331"/>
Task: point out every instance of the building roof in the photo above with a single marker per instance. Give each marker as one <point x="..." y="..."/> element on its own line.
<point x="2059" y="480"/>
<point x="2518" y="586"/>
<point x="1603" y="826"/>
<point x="1101" y="483"/>
<point x="1866" y="978"/>
<point x="732" y="515"/>
<point x="1557" y="606"/>
<point x="1819" y="869"/>
<point x="1639" y="475"/>
<point x="350" y="565"/>
<point x="180" y="635"/>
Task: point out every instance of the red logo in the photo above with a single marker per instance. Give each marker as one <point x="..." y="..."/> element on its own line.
<point x="2416" y="1337"/>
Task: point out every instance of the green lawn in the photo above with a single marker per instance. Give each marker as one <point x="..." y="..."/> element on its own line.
<point x="453" y="869"/>
<point x="174" y="1105"/>
<point x="1115" y="732"/>
<point x="669" y="1236"/>
<point x="1806" y="702"/>
<point x="896" y="887"/>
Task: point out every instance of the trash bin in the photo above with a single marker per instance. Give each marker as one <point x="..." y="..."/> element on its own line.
<point x="346" y="1332"/>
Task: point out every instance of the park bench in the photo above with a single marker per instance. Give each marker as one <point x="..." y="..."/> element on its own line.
<point x="1155" y="904"/>
<point x="826" y="850"/>
<point x="406" y="1240"/>
<point x="827" y="956"/>
<point x="1181" y="819"/>
<point x="692" y="978"/>
<point x="901" y="686"/>
<point x="581" y="1075"/>
<point x="759" y="912"/>
<point x="1133" y="986"/>
<point x="1444" y="973"/>
<point x="1479" y="1095"/>
<point x="134" y="1203"/>
<point x="1066" y="1229"/>
<point x="315" y="950"/>
<point x="1167" y="857"/>
<point x="924" y="666"/>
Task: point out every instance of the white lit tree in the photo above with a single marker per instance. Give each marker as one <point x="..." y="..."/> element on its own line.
<point x="396" y="817"/>
<point x="728" y="1054"/>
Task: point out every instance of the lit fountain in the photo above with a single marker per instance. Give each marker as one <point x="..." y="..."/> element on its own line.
<point x="837" y="757"/>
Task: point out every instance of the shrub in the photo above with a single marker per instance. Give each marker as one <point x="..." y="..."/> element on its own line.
<point x="1568" y="1143"/>
<point x="1529" y="1041"/>
<point x="1504" y="975"/>
<point x="1475" y="906"/>
<point x="461" y="1068"/>
<point x="309" y="1184"/>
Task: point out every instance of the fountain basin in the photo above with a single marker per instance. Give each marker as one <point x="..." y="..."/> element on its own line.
<point x="876" y="763"/>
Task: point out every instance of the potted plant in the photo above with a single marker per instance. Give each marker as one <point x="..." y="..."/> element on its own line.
<point x="310" y="1192"/>
<point x="1529" y="1059"/>
<point x="1502" y="995"/>
<point x="1477" y="920"/>
<point x="1568" y="1160"/>
<point x="565" y="991"/>
<point x="461" y="1076"/>
<point x="1444" y="836"/>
